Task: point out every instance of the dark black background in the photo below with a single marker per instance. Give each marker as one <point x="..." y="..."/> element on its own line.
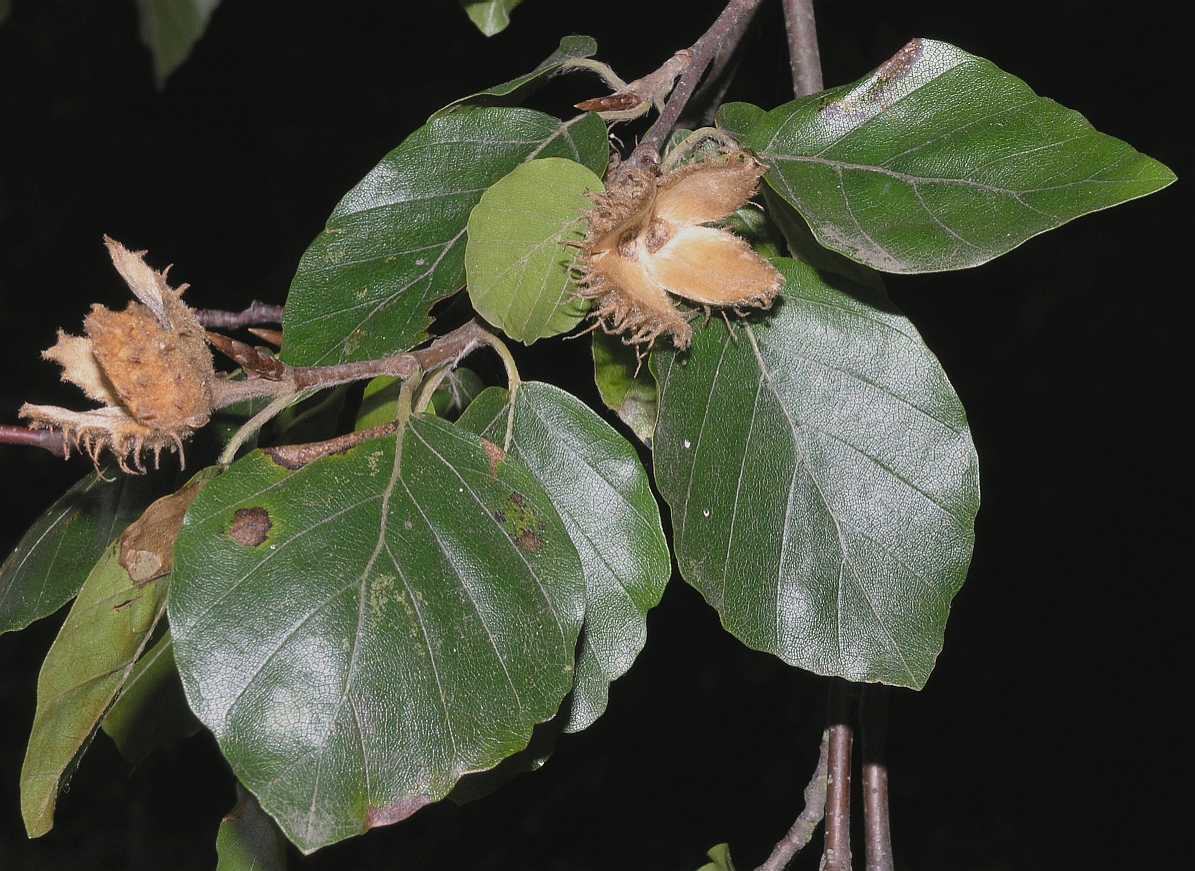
<point x="1049" y="735"/>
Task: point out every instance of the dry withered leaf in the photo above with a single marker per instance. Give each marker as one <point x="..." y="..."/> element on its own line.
<point x="147" y="546"/>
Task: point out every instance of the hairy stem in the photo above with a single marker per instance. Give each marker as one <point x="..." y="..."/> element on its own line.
<point x="837" y="853"/>
<point x="801" y="831"/>
<point x="729" y="24"/>
<point x="803" y="54"/>
<point x="46" y="439"/>
<point x="256" y="313"/>
<point x="873" y="726"/>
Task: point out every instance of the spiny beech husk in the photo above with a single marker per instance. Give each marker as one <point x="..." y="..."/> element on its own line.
<point x="647" y="240"/>
<point x="149" y="366"/>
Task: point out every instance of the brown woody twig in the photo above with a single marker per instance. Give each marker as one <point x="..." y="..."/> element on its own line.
<point x="873" y="723"/>
<point x="837" y="853"/>
<point x="257" y="313"/>
<point x="801" y="831"/>
<point x="46" y="439"/>
<point x="729" y="23"/>
<point x="803" y="54"/>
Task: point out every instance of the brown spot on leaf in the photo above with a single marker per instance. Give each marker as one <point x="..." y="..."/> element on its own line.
<point x="395" y="813"/>
<point x="294" y="457"/>
<point x="898" y="65"/>
<point x="529" y="541"/>
<point x="495" y="455"/>
<point x="250" y="526"/>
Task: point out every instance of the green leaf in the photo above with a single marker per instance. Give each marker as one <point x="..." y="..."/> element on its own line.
<point x="570" y="48"/>
<point x="940" y="160"/>
<point x="803" y="246"/>
<point x="5" y="10"/>
<point x="822" y="480"/>
<point x="517" y="259"/>
<point x="170" y="29"/>
<point x="595" y="480"/>
<point x="721" y="859"/>
<point x="151" y="711"/>
<point x="490" y="16"/>
<point x="626" y="387"/>
<point x="395" y="244"/>
<point x="90" y="660"/>
<point x="53" y="558"/>
<point x="248" y="840"/>
<point x="360" y="633"/>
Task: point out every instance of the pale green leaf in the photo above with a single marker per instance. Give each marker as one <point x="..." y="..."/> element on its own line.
<point x="940" y="160"/>
<point x="721" y="861"/>
<point x="822" y="480"/>
<point x="90" y="660"/>
<point x="518" y="261"/>
<point x="490" y="16"/>
<point x="360" y="632"/>
<point x="395" y="244"/>
<point x="595" y="480"/>
<point x="170" y="29"/>
<point x="379" y="403"/>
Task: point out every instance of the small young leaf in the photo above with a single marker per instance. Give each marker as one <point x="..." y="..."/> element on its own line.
<point x="360" y="632"/>
<point x="626" y="387"/>
<point x="940" y="160"/>
<point x="595" y="480"/>
<point x="90" y="660"/>
<point x="517" y="259"/>
<point x="822" y="480"/>
<point x="721" y="859"/>
<point x="395" y="244"/>
<point x="151" y="711"/>
<point x="517" y="89"/>
<point x="490" y="16"/>
<point x="53" y="558"/>
<point x="170" y="29"/>
<point x="248" y="840"/>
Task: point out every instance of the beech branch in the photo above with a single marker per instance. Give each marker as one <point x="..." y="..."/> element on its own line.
<point x="46" y="439"/>
<point x="801" y="831"/>
<point x="257" y="313"/>
<point x="728" y="27"/>
<point x="873" y="724"/>
<point x="837" y="853"/>
<point x="803" y="54"/>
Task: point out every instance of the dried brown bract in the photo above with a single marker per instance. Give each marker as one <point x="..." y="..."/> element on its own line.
<point x="149" y="367"/>
<point x="647" y="239"/>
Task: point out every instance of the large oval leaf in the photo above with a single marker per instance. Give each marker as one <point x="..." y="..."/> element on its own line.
<point x="570" y="48"/>
<point x="91" y="658"/>
<point x="518" y="260"/>
<point x="359" y="633"/>
<point x="48" y="566"/>
<point x="594" y="478"/>
<point x="822" y="480"/>
<point x="940" y="160"/>
<point x="396" y="243"/>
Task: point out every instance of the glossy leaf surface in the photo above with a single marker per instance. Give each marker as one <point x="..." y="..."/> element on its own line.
<point x="595" y="480"/>
<point x="395" y="244"/>
<point x="570" y="48"/>
<point x="359" y="633"/>
<point x="940" y="160"/>
<point x="90" y="660"/>
<point x="517" y="259"/>
<point x="822" y="480"/>
<point x="49" y="565"/>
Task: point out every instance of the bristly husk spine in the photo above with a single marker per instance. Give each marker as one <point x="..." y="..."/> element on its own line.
<point x="647" y="239"/>
<point x="149" y="366"/>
